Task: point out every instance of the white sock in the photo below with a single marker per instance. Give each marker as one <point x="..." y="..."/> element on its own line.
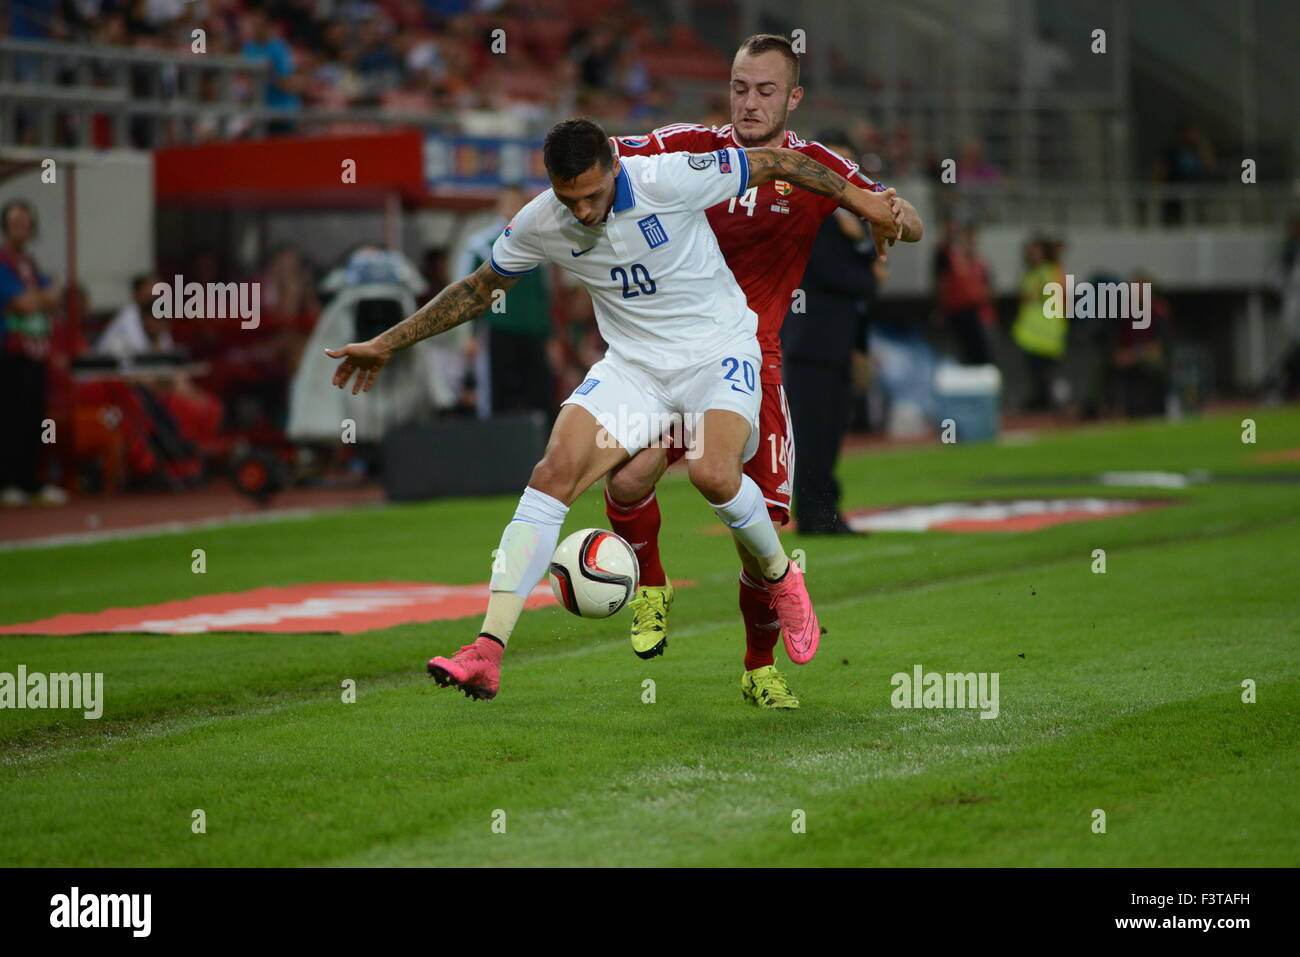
<point x="503" y="611"/>
<point x="522" y="559"/>
<point x="746" y="516"/>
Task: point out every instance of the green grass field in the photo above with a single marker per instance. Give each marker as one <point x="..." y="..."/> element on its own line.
<point x="1119" y="691"/>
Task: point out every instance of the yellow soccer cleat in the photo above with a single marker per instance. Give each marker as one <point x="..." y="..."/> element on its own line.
<point x="767" y="688"/>
<point x="650" y="619"/>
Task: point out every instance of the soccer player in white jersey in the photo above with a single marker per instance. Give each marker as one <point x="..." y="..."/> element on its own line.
<point x="681" y="342"/>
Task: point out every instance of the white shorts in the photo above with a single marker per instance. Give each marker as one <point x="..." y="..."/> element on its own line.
<point x="636" y="405"/>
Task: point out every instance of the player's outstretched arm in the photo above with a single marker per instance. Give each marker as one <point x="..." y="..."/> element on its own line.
<point x="890" y="216"/>
<point x="459" y="302"/>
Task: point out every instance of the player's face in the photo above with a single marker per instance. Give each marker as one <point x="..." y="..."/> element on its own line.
<point x="761" y="98"/>
<point x="590" y="195"/>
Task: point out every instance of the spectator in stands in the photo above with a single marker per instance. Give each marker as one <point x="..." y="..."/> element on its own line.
<point x="870" y="145"/>
<point x="819" y="345"/>
<point x="1036" y="331"/>
<point x="1094" y="341"/>
<point x="901" y="151"/>
<point x="135" y="330"/>
<point x="597" y="52"/>
<point x="27" y="298"/>
<point x="1188" y="159"/>
<point x="965" y="301"/>
<point x="459" y="374"/>
<point x="974" y="166"/>
<point x="28" y="19"/>
<point x="78" y="19"/>
<point x="284" y="85"/>
<point x="1142" y="356"/>
<point x="513" y="373"/>
<point x="290" y="306"/>
<point x="717" y="112"/>
<point x="158" y="14"/>
<point x="376" y="62"/>
<point x="248" y="369"/>
<point x="174" y="417"/>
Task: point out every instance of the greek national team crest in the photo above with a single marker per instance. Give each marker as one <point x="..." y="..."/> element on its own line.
<point x="586" y="386"/>
<point x="653" y="231"/>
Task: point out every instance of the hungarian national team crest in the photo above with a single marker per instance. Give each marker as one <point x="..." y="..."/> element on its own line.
<point x="783" y="188"/>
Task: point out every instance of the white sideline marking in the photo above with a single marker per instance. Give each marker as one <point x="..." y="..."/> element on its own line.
<point x="176" y="527"/>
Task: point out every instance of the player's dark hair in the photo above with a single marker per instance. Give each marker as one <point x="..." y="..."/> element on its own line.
<point x="766" y="42"/>
<point x="574" y="146"/>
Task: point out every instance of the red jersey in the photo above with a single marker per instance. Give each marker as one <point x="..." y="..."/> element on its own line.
<point x="766" y="235"/>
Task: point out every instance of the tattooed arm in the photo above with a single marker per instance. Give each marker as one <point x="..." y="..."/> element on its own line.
<point x="459" y="302"/>
<point x="890" y="217"/>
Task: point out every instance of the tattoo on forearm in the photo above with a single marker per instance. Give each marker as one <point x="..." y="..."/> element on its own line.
<point x="459" y="302"/>
<point x="802" y="171"/>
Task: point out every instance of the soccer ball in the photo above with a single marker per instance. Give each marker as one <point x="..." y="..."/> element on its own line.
<point x="594" y="573"/>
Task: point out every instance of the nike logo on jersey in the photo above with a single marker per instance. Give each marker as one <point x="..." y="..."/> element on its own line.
<point x="575" y="254"/>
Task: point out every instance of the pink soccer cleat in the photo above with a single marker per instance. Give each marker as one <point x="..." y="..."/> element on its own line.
<point x="475" y="669"/>
<point x="799" y="626"/>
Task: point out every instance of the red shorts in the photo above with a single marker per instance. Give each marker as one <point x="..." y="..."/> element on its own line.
<point x="771" y="465"/>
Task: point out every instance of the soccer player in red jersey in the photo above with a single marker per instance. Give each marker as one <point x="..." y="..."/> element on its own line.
<point x="766" y="237"/>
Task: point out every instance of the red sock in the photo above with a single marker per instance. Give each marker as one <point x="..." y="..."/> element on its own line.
<point x="638" y="525"/>
<point x="762" y="627"/>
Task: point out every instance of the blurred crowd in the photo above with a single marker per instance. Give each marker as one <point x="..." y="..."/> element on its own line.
<point x="1086" y="367"/>
<point x="554" y="57"/>
<point x="430" y="58"/>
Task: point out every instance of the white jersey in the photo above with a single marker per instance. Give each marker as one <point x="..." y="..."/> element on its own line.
<point x="664" y="296"/>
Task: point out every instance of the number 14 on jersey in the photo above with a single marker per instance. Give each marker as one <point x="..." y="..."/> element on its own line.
<point x="748" y="201"/>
